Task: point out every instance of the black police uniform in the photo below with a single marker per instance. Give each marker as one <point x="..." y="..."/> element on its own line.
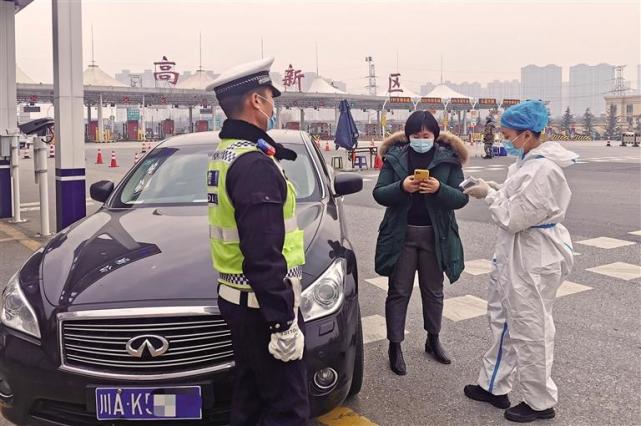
<point x="266" y="391"/>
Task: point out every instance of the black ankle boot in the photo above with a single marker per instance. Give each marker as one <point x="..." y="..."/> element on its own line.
<point x="523" y="413"/>
<point x="477" y="393"/>
<point x="433" y="347"/>
<point x="396" y="361"/>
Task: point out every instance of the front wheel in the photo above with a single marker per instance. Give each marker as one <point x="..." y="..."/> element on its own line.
<point x="359" y="358"/>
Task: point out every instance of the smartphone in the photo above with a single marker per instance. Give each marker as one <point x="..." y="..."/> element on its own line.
<point x="469" y="182"/>
<point x="421" y="175"/>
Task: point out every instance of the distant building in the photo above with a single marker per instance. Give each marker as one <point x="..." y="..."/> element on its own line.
<point x="639" y="79"/>
<point x="588" y="85"/>
<point x="627" y="108"/>
<point x="543" y="83"/>
<point x="124" y="77"/>
<point x="565" y="97"/>
<point x="474" y="89"/>
<point x="508" y="89"/>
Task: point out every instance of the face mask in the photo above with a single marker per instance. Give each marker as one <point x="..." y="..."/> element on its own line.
<point x="271" y="123"/>
<point x="421" y="145"/>
<point x="510" y="149"/>
<point x="271" y="120"/>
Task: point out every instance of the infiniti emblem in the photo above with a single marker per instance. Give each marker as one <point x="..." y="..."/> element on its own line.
<point x="155" y="345"/>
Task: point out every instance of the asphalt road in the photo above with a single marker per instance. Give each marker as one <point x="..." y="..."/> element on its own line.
<point x="598" y="349"/>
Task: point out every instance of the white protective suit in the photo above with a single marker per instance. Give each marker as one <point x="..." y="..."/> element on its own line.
<point x="533" y="256"/>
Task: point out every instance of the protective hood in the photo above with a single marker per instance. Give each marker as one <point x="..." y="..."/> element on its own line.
<point x="555" y="152"/>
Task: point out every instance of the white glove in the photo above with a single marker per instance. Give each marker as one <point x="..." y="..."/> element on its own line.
<point x="494" y="185"/>
<point x="288" y="345"/>
<point x="480" y="190"/>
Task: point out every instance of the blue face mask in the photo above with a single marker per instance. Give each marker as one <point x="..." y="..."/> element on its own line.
<point x="271" y="123"/>
<point x="510" y="149"/>
<point x="271" y="120"/>
<point x="421" y="145"/>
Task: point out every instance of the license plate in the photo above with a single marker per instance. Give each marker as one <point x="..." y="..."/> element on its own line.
<point x="174" y="403"/>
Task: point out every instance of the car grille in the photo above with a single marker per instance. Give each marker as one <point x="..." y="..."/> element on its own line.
<point x="195" y="343"/>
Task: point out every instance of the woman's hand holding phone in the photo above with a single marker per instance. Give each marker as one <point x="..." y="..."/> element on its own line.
<point x="430" y="186"/>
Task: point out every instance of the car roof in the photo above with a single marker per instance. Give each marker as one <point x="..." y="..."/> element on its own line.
<point x="206" y="138"/>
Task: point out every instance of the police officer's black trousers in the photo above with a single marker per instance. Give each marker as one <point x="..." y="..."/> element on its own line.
<point x="266" y="391"/>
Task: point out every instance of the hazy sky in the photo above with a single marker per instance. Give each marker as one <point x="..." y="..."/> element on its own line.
<point x="480" y="40"/>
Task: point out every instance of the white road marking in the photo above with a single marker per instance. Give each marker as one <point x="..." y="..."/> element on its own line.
<point x="463" y="307"/>
<point x="382" y="282"/>
<point x="374" y="329"/>
<point x="606" y="243"/>
<point x="35" y="206"/>
<point x="478" y="266"/>
<point x="621" y="270"/>
<point x="468" y="306"/>
<point x="569" y="287"/>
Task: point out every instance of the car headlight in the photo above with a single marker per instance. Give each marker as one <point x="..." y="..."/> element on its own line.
<point x="326" y="294"/>
<point x="15" y="311"/>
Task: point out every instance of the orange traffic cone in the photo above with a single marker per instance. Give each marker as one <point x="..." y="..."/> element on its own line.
<point x="52" y="151"/>
<point x="378" y="162"/>
<point x="114" y="162"/>
<point x="99" y="157"/>
<point x="326" y="145"/>
<point x="136" y="158"/>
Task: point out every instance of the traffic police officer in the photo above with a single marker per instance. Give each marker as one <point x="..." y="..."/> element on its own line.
<point x="257" y="249"/>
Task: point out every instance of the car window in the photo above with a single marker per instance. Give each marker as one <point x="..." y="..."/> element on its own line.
<point x="177" y="176"/>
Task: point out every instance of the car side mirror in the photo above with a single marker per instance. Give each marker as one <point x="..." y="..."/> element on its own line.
<point x="101" y="190"/>
<point x="347" y="183"/>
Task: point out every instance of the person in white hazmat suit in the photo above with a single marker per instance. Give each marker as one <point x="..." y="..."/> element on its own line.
<point x="533" y="256"/>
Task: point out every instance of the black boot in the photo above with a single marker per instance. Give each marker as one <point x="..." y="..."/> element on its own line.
<point x="433" y="347"/>
<point x="477" y="393"/>
<point x="396" y="361"/>
<point x="522" y="413"/>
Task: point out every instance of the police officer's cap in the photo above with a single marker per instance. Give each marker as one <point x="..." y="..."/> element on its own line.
<point x="243" y="78"/>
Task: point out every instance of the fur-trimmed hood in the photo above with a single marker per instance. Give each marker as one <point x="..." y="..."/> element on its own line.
<point x="447" y="139"/>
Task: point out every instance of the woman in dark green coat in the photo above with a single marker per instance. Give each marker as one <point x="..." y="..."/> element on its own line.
<point x="419" y="232"/>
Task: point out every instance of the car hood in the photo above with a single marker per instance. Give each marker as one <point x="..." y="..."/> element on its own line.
<point x="141" y="255"/>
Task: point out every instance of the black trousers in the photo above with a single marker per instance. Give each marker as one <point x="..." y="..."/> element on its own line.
<point x="266" y="391"/>
<point x="417" y="255"/>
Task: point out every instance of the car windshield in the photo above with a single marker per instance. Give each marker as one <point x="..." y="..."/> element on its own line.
<point x="177" y="176"/>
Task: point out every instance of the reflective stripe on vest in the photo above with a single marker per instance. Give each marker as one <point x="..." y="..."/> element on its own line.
<point x="227" y="257"/>
<point x="230" y="235"/>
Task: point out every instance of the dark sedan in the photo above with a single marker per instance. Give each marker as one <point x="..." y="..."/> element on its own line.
<point x="116" y="317"/>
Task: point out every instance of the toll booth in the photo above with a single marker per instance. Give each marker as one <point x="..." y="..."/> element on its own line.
<point x="202" y="126"/>
<point x="324" y="130"/>
<point x="91" y="130"/>
<point x="371" y="129"/>
<point x="130" y="130"/>
<point x="167" y="128"/>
